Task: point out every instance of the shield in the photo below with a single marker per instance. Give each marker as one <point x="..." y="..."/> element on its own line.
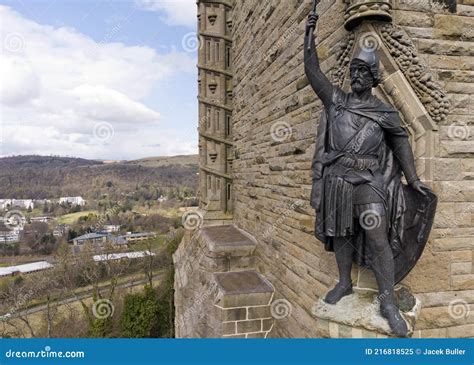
<point x="417" y="222"/>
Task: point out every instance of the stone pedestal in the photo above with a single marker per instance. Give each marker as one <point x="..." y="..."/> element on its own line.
<point x="358" y="316"/>
<point x="218" y="292"/>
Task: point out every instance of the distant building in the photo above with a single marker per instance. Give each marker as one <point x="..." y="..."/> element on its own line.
<point x="123" y="255"/>
<point x="5" y="203"/>
<point x="9" y="237"/>
<point x="25" y="268"/>
<point x="101" y="238"/>
<point x="94" y="238"/>
<point x="118" y="240"/>
<point x="111" y="228"/>
<point x="42" y="201"/>
<point x="41" y="219"/>
<point x="74" y="200"/>
<point x="138" y="236"/>
<point x="98" y="239"/>
<point x="23" y="203"/>
<point x="17" y="203"/>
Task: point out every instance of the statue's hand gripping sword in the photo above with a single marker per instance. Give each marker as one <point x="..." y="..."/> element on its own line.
<point x="311" y="30"/>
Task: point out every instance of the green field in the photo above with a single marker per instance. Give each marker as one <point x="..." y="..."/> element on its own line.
<point x="73" y="217"/>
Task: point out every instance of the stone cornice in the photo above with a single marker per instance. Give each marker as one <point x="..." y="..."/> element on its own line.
<point x="229" y="3"/>
<point x="215" y="104"/>
<point x="215" y="35"/>
<point x="215" y="138"/>
<point x="216" y="70"/>
<point x="214" y="172"/>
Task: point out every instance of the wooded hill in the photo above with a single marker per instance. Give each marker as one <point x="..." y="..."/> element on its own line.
<point x="49" y="177"/>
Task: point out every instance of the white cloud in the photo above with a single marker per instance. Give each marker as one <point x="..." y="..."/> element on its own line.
<point x="175" y="12"/>
<point x="19" y="83"/>
<point x="57" y="84"/>
<point x="101" y="103"/>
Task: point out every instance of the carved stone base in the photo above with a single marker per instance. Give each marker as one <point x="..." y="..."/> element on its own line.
<point x="358" y="316"/>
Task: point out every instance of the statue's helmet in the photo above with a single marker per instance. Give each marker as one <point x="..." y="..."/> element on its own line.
<point x="371" y="59"/>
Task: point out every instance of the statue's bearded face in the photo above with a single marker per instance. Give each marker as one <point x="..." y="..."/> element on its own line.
<point x="361" y="76"/>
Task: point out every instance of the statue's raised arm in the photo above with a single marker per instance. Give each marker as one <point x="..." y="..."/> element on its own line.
<point x="318" y="81"/>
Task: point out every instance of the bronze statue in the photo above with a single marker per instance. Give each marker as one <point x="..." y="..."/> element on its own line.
<point x="363" y="211"/>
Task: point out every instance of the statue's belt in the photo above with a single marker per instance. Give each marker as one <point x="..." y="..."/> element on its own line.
<point x="357" y="162"/>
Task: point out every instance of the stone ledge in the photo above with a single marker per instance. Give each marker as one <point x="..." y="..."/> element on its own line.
<point x="228" y="239"/>
<point x="242" y="288"/>
<point x="360" y="312"/>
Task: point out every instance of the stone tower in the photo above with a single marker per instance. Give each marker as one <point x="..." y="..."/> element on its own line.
<point x="215" y="109"/>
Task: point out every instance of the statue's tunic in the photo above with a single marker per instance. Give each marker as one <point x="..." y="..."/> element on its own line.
<point x="354" y="170"/>
<point x="353" y="180"/>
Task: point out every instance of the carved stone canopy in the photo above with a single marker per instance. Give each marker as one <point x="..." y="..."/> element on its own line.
<point x="360" y="10"/>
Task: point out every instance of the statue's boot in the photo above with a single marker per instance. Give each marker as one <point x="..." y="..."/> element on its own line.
<point x="395" y="319"/>
<point x="338" y="292"/>
<point x="344" y="251"/>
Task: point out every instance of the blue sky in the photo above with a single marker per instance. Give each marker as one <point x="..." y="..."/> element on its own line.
<point x="98" y="79"/>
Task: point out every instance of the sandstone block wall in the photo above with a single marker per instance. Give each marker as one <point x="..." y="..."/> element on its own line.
<point x="275" y="120"/>
<point x="218" y="293"/>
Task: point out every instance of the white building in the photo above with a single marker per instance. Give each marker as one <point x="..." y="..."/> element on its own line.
<point x="74" y="200"/>
<point x="17" y="203"/>
<point x="44" y="219"/>
<point x="9" y="237"/>
<point x="5" y="203"/>
<point x="111" y="228"/>
<point x="25" y="269"/>
<point x="124" y="255"/>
